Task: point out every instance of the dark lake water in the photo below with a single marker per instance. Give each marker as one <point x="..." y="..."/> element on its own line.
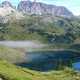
<point x="50" y="60"/>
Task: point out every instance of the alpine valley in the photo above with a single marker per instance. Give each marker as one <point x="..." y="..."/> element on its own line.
<point x="38" y="43"/>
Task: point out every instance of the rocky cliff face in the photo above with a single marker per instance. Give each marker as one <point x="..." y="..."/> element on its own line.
<point x="43" y="9"/>
<point x="38" y="8"/>
<point x="8" y="12"/>
<point x="6" y="4"/>
<point x="6" y="8"/>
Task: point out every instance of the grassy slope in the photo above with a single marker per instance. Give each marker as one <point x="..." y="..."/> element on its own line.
<point x="10" y="54"/>
<point x="42" y="28"/>
<point x="11" y="72"/>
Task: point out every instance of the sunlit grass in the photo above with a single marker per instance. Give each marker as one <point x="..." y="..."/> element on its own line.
<point x="12" y="72"/>
<point x="10" y="54"/>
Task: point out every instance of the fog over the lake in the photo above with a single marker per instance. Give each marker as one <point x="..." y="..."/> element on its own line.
<point x="21" y="44"/>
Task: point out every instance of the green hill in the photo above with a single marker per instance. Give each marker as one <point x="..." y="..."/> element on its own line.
<point x="11" y="72"/>
<point x="51" y="29"/>
<point x="11" y="55"/>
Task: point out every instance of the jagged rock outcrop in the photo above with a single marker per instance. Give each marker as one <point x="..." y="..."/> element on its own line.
<point x="6" y="4"/>
<point x="28" y="7"/>
<point x="8" y="12"/>
<point x="6" y="8"/>
<point x="43" y="9"/>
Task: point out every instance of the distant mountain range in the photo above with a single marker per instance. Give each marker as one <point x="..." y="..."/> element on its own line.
<point x="28" y="7"/>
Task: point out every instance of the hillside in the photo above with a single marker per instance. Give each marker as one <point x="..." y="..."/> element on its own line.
<point x="11" y="55"/>
<point x="11" y="72"/>
<point x="52" y="29"/>
<point x="15" y="25"/>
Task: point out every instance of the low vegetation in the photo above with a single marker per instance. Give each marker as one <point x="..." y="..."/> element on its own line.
<point x="11" y="72"/>
<point x="11" y="55"/>
<point x="57" y="32"/>
<point x="45" y="29"/>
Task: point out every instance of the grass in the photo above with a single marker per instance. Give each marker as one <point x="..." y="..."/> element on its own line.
<point x="10" y="54"/>
<point x="11" y="72"/>
<point x="42" y="28"/>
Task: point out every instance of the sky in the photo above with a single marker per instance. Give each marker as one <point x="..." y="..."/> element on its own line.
<point x="72" y="5"/>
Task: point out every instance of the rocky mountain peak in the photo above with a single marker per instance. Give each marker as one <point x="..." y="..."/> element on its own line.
<point x="6" y="4"/>
<point x="29" y="7"/>
<point x="24" y="6"/>
<point x="43" y="9"/>
<point x="7" y="11"/>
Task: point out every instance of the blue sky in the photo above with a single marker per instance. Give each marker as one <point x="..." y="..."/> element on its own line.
<point x="72" y="5"/>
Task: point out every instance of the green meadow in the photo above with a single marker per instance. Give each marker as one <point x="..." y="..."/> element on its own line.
<point x="11" y="72"/>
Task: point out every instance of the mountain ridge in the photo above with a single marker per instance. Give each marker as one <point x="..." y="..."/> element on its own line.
<point x="43" y="9"/>
<point x="38" y="8"/>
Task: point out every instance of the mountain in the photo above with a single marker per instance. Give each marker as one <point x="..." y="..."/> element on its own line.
<point x="43" y="9"/>
<point x="8" y="12"/>
<point x="28" y="7"/>
<point x="6" y="4"/>
<point x="6" y="8"/>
